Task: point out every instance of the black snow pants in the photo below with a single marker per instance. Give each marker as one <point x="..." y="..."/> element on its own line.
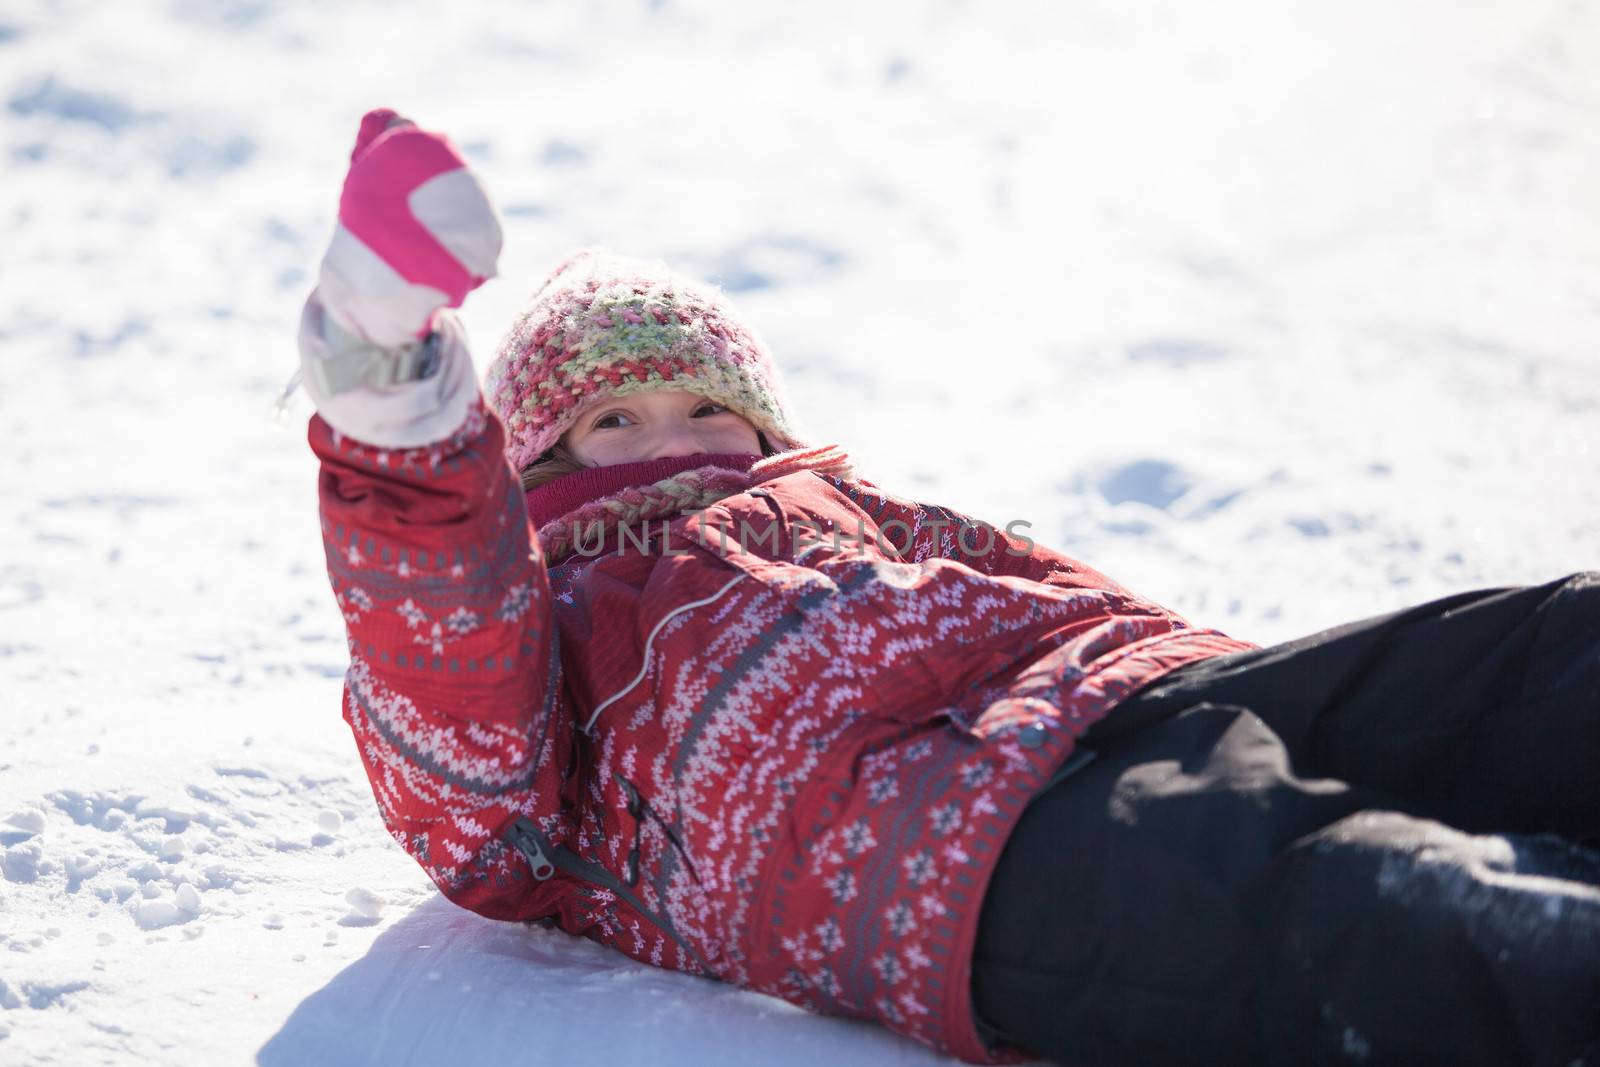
<point x="1374" y="844"/>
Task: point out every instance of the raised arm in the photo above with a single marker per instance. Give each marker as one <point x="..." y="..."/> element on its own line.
<point x="454" y="690"/>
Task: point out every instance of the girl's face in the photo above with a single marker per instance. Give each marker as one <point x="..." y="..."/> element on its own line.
<point x="656" y="425"/>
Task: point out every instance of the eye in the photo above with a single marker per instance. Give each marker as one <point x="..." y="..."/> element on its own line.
<point x="600" y="423"/>
<point x="710" y="408"/>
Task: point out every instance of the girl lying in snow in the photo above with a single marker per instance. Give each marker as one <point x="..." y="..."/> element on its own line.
<point x="693" y="689"/>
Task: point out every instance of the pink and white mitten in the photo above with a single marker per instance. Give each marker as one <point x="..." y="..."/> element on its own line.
<point x="416" y="233"/>
<point x="381" y="356"/>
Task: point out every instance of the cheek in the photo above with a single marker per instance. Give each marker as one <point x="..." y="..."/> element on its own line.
<point x="587" y="453"/>
<point x="745" y="434"/>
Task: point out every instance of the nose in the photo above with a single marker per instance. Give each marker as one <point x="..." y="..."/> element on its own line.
<point x="676" y="439"/>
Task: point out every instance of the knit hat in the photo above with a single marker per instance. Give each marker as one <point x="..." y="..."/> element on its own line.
<point x="609" y="325"/>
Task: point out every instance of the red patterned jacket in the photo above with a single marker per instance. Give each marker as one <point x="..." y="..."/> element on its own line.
<point x="800" y="761"/>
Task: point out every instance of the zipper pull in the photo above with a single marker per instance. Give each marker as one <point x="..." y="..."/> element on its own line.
<point x="636" y="809"/>
<point x="635" y="801"/>
<point x="672" y="835"/>
<point x="528" y="840"/>
<point x="640" y="809"/>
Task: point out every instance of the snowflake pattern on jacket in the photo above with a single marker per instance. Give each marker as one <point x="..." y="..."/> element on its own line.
<point x="778" y="761"/>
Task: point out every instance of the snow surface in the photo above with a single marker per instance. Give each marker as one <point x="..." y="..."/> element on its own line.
<point x="1281" y="313"/>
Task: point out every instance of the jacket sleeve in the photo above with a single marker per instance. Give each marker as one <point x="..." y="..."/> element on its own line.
<point x="918" y="531"/>
<point x="454" y="690"/>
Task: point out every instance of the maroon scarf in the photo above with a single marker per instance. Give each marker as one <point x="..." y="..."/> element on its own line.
<point x="569" y="492"/>
<point x="575" y="504"/>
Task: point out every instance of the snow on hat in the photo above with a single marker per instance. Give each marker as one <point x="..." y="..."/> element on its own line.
<point x="609" y="325"/>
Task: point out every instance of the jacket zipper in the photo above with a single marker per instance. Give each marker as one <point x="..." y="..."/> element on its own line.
<point x="546" y="859"/>
<point x="640" y="809"/>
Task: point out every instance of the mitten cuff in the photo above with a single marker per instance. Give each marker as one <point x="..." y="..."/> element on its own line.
<point x="360" y="389"/>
